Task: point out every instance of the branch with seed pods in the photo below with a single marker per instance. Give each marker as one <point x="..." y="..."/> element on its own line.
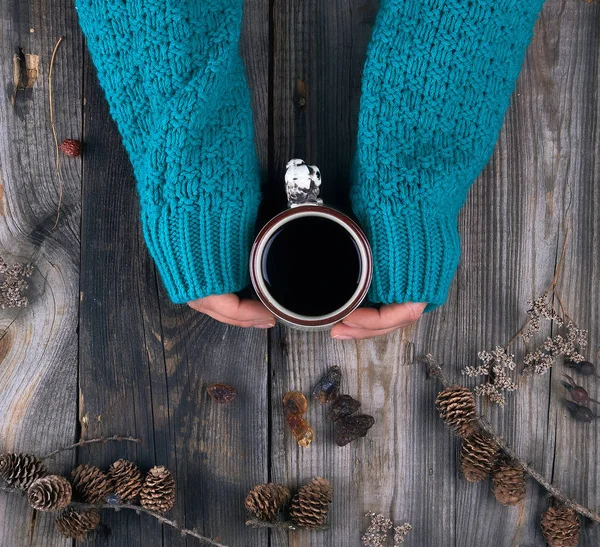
<point x="484" y="453"/>
<point x="90" y="490"/>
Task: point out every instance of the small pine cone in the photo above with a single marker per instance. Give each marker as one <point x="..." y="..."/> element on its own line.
<point x="90" y="484"/>
<point x="560" y="527"/>
<point x="456" y="406"/>
<point x="310" y="506"/>
<point x="51" y="493"/>
<point x="478" y="455"/>
<point x="126" y="478"/>
<point x="20" y="470"/>
<point x="71" y="148"/>
<point x="508" y="483"/>
<point x="158" y="492"/>
<point x="77" y="523"/>
<point x="264" y="501"/>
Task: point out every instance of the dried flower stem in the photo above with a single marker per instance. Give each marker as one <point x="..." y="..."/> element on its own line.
<point x="57" y="150"/>
<point x="281" y="524"/>
<point x="434" y="370"/>
<point x="114" y="438"/>
<point x="138" y="509"/>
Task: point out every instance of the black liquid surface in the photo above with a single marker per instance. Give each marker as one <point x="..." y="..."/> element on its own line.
<point x="311" y="266"/>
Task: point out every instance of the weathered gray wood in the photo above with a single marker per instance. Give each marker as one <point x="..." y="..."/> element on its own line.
<point x="38" y="366"/>
<point x="145" y="363"/>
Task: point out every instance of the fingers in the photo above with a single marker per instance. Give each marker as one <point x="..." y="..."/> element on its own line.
<point x="369" y="322"/>
<point x="230" y="309"/>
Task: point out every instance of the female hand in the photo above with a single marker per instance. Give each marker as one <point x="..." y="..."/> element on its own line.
<point x="369" y="322"/>
<point x="233" y="310"/>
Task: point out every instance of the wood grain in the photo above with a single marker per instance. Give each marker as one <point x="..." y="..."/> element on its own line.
<point x="38" y="369"/>
<point x="101" y="351"/>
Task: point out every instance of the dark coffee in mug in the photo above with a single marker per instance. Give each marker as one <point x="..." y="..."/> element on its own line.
<point x="311" y="266"/>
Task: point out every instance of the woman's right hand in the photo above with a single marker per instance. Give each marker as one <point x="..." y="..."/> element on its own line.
<point x="233" y="310"/>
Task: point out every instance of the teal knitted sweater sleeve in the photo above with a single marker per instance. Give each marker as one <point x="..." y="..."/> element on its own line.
<point x="176" y="87"/>
<point x="436" y="85"/>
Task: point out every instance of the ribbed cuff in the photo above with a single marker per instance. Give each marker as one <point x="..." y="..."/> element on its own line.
<point x="416" y="250"/>
<point x="202" y="248"/>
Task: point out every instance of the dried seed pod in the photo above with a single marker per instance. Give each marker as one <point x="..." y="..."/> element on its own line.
<point x="580" y="413"/>
<point x="456" y="406"/>
<point x="349" y="428"/>
<point x="343" y="406"/>
<point x="327" y="388"/>
<point x="51" y="493"/>
<point x="508" y="482"/>
<point x="578" y="393"/>
<point x="265" y="501"/>
<point x="294" y="402"/>
<point x="20" y="470"/>
<point x="294" y="406"/>
<point x="90" y="484"/>
<point x="583" y="367"/>
<point x="310" y="506"/>
<point x="221" y="393"/>
<point x="126" y="478"/>
<point x="560" y="527"/>
<point x="478" y="455"/>
<point x="71" y="148"/>
<point x="158" y="492"/>
<point x="77" y="523"/>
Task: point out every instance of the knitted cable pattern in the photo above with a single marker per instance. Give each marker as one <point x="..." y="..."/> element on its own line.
<point x="436" y="85"/>
<point x="176" y="87"/>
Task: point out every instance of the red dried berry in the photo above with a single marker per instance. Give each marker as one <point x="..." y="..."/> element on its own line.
<point x="71" y="148"/>
<point x="221" y="393"/>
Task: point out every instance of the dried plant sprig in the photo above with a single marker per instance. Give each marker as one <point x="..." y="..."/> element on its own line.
<point x="495" y="365"/>
<point x="434" y="370"/>
<point x="54" y="135"/>
<point x="540" y="309"/>
<point x="13" y="284"/>
<point x="114" y="438"/>
<point x="400" y="533"/>
<point x="378" y="532"/>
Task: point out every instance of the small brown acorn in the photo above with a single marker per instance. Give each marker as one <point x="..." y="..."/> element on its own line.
<point x="71" y="148"/>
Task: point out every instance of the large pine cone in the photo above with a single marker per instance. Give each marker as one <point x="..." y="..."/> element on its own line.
<point x="310" y="506"/>
<point x="478" y="455"/>
<point x="126" y="478"/>
<point x="77" y="523"/>
<point x="20" y="470"/>
<point x="51" y="493"/>
<point x="456" y="406"/>
<point x="560" y="526"/>
<point x="508" y="483"/>
<point x="90" y="484"/>
<point x="264" y="501"/>
<point x="158" y="492"/>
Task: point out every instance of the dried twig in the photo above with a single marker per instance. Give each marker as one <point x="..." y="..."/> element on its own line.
<point x="138" y="509"/>
<point x="114" y="438"/>
<point x="434" y="370"/>
<point x="283" y="525"/>
<point x="57" y="150"/>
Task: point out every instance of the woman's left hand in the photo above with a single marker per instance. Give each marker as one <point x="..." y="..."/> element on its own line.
<point x="370" y="322"/>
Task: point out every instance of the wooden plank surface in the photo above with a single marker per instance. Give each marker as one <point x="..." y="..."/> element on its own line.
<point x="38" y="367"/>
<point x="100" y="323"/>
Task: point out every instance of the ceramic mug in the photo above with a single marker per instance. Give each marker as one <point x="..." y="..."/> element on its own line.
<point x="310" y="265"/>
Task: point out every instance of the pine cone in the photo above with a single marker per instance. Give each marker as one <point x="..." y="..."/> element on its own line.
<point x="71" y="148"/>
<point x="20" y="470"/>
<point x="456" y="406"/>
<point x="90" y="484"/>
<point x="310" y="506"/>
<point x="158" y="492"/>
<point x="264" y="501"/>
<point x="50" y="493"/>
<point x="560" y="527"/>
<point x="478" y="455"/>
<point x="126" y="478"/>
<point x="508" y="483"/>
<point x="77" y="523"/>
